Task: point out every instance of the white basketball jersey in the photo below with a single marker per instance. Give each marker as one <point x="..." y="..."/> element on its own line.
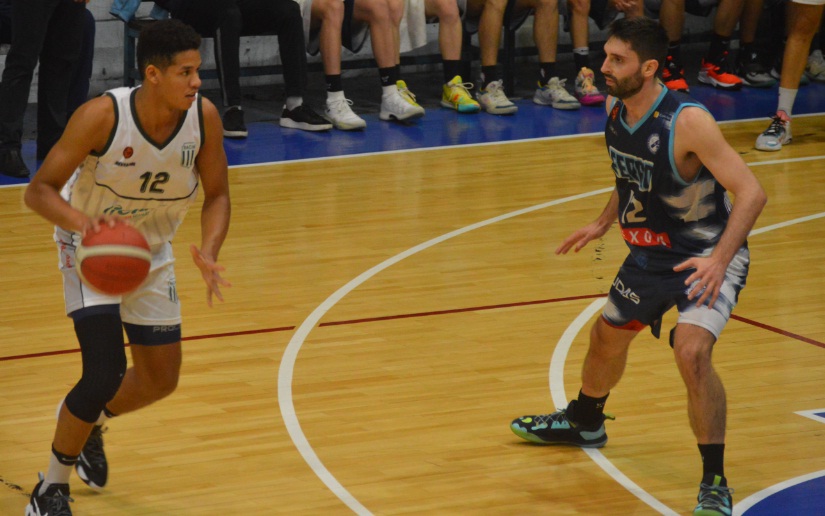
<point x="150" y="183"/>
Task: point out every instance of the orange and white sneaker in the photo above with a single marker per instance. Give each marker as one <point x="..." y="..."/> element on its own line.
<point x="718" y="75"/>
<point x="673" y="75"/>
<point x="586" y="90"/>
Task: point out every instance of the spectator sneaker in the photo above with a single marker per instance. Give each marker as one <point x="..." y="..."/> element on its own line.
<point x="586" y="90"/>
<point x="494" y="101"/>
<point x="456" y="95"/>
<point x="91" y="466"/>
<point x="12" y="165"/>
<point x="714" y="497"/>
<point x="776" y="72"/>
<point x="752" y="72"/>
<point x="304" y="118"/>
<point x="340" y="113"/>
<point x="556" y="428"/>
<point x="54" y="502"/>
<point x="397" y="106"/>
<point x="815" y="70"/>
<point x="776" y="135"/>
<point x="554" y="94"/>
<point x="718" y="76"/>
<point x="673" y="75"/>
<point x="233" y="125"/>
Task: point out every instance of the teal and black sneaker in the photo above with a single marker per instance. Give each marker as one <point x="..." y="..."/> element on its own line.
<point x="714" y="497"/>
<point x="556" y="428"/>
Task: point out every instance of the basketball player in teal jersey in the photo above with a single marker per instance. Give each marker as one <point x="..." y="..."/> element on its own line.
<point x="141" y="154"/>
<point x="687" y="249"/>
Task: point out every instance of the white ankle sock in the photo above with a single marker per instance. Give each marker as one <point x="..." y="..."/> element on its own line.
<point x="58" y="473"/>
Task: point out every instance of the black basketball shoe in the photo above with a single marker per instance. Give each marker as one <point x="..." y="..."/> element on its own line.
<point x="54" y="502"/>
<point x="556" y="428"/>
<point x="91" y="466"/>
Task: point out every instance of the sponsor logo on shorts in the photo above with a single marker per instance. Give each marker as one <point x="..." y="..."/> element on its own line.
<point x="165" y="329"/>
<point x="626" y="292"/>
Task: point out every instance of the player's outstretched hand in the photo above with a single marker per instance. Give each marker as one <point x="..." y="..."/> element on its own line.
<point x="582" y="236"/>
<point x="210" y="271"/>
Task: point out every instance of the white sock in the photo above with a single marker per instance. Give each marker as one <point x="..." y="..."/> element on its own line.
<point x="102" y="418"/>
<point x="787" y="96"/>
<point x="293" y="102"/>
<point x="58" y="473"/>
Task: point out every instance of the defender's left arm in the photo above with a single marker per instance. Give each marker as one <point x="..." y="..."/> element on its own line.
<point x="215" y="214"/>
<point x="698" y="133"/>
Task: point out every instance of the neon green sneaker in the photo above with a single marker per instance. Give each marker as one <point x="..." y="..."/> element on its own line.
<point x="457" y="96"/>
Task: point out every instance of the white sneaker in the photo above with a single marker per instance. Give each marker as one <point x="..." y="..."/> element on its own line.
<point x="339" y="112"/>
<point x="400" y="104"/>
<point x="816" y="66"/>
<point x="494" y="101"/>
<point x="554" y="94"/>
<point x="776" y="135"/>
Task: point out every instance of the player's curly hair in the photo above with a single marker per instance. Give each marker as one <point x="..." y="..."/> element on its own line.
<point x="160" y="41"/>
<point x="645" y="36"/>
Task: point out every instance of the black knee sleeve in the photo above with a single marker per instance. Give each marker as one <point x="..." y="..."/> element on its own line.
<point x="104" y="363"/>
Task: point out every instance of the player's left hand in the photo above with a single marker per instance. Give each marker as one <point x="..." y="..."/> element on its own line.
<point x="210" y="271"/>
<point x="706" y="280"/>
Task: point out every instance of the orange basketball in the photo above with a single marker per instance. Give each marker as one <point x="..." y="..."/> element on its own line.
<point x="114" y="261"/>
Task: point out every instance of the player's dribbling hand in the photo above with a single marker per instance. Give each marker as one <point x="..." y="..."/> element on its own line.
<point x="210" y="271"/>
<point x="94" y="224"/>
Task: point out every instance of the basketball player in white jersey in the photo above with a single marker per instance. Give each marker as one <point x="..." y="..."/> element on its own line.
<point x="137" y="154"/>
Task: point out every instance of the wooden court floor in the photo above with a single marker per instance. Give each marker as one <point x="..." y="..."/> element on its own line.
<point x="391" y="314"/>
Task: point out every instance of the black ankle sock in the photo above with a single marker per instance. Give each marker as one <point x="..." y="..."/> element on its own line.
<point x="674" y="50"/>
<point x="388" y="76"/>
<point x="488" y="75"/>
<point x="546" y="72"/>
<point x="718" y="46"/>
<point x="451" y="68"/>
<point x="713" y="459"/>
<point x="334" y="83"/>
<point x="589" y="410"/>
<point x="581" y="61"/>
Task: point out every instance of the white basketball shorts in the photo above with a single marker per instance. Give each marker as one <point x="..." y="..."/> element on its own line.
<point x="154" y="303"/>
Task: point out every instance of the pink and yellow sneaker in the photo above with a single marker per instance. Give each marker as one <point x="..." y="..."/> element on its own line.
<point x="586" y="91"/>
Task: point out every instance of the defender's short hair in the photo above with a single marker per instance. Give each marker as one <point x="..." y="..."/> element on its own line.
<point x="645" y="36"/>
<point x="160" y="41"/>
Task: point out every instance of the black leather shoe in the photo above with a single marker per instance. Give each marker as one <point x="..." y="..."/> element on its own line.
<point x="11" y="163"/>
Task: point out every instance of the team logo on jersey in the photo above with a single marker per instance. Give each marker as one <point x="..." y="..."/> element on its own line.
<point x="632" y="168"/>
<point x="188" y="153"/>
<point x="127" y="152"/>
<point x="653" y="143"/>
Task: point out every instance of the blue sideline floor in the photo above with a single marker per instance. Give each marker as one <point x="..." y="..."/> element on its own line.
<point x="268" y="142"/>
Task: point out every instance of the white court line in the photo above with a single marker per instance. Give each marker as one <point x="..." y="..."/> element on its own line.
<point x="757" y="497"/>
<point x="287" y="367"/>
<point x="556" y="376"/>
